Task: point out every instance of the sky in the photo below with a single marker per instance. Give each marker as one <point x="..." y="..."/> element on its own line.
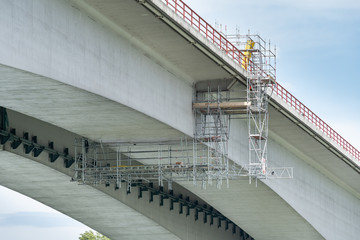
<point x="24" y="218"/>
<point x="318" y="51"/>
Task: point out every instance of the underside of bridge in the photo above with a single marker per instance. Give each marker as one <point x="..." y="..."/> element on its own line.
<point x="125" y="71"/>
<point x="252" y="205"/>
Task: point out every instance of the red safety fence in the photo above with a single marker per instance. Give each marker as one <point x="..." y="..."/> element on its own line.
<point x="212" y="34"/>
<point x="198" y="23"/>
<point x="315" y="120"/>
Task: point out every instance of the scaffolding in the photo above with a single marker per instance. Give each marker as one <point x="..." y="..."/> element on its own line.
<point x="260" y="62"/>
<point x="202" y="159"/>
<point x="212" y="129"/>
<point x="162" y="162"/>
<point x="259" y="57"/>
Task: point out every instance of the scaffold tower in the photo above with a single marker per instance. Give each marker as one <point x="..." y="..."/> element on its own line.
<point x="260" y="63"/>
<point x="212" y="129"/>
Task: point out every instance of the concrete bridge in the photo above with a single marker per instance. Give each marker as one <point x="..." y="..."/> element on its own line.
<point x="126" y="71"/>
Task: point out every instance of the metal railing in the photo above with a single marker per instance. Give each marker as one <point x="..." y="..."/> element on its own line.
<point x="197" y="22"/>
<point x="299" y="107"/>
<point x="218" y="39"/>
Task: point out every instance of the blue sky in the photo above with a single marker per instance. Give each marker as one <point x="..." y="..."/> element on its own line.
<point x="318" y="51"/>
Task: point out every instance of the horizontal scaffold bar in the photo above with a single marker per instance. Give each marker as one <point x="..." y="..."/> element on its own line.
<point x="222" y="105"/>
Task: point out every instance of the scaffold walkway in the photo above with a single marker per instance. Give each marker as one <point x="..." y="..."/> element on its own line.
<point x="162" y="162"/>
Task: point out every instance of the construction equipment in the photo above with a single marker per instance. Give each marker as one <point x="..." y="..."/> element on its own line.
<point x="202" y="159"/>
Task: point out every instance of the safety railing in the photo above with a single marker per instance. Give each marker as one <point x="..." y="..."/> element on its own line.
<point x="315" y="120"/>
<point x="190" y="16"/>
<point x="219" y="40"/>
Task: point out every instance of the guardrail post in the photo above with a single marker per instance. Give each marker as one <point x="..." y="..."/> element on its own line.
<point x="191" y="16"/>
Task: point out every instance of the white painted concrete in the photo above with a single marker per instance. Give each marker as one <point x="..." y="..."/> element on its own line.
<point x="313" y="130"/>
<point x="53" y="39"/>
<point x="259" y="210"/>
<point x="332" y="210"/>
<point x="77" y="110"/>
<point x="322" y="159"/>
